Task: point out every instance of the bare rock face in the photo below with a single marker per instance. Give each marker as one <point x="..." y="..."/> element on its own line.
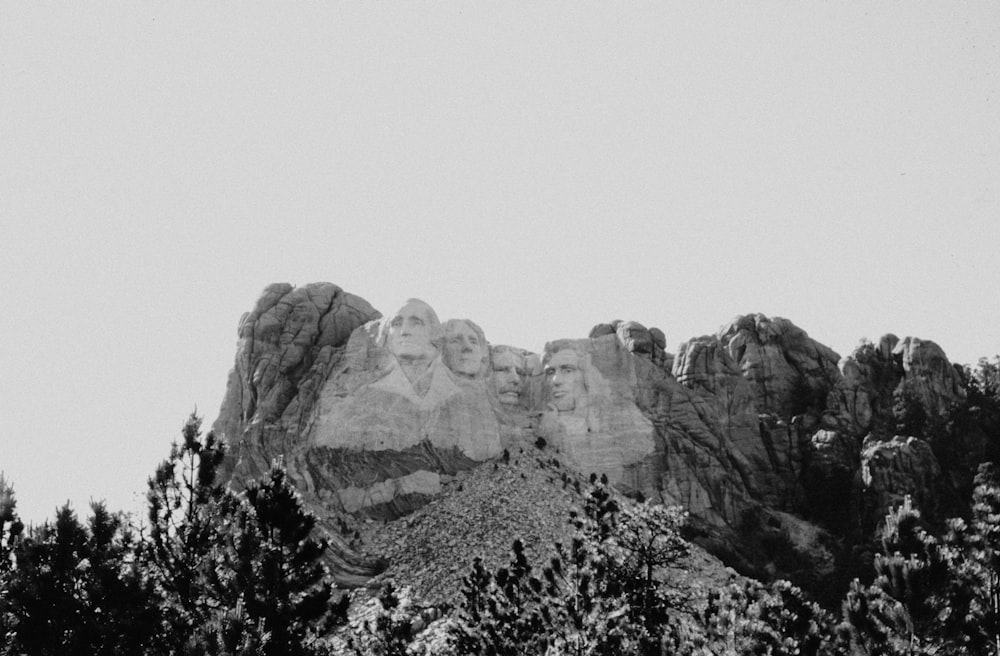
<point x="287" y="346"/>
<point x="769" y="446"/>
<point x="894" y="469"/>
<point x="705" y="363"/>
<point x="723" y="414"/>
<point x="636" y="338"/>
<point x="828" y="479"/>
<point x="791" y="372"/>
<point x="876" y="376"/>
<point x="927" y="374"/>
<point x="853" y="400"/>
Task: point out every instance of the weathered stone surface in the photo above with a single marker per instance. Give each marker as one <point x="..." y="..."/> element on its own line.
<point x="894" y="469"/>
<point x="852" y="400"/>
<point x="704" y="363"/>
<point x="875" y="377"/>
<point x="636" y="338"/>
<point x="765" y="450"/>
<point x="791" y="372"/>
<point x="927" y="374"/>
<point x="287" y="346"/>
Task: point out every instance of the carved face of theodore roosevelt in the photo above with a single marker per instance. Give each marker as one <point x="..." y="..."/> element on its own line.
<point x="508" y="373"/>
<point x="565" y="380"/>
<point x="412" y="331"/>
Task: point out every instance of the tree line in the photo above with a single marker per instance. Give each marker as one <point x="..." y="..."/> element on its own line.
<point x="212" y="571"/>
<point x="215" y="571"/>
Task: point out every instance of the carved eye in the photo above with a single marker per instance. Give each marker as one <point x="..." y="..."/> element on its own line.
<point x="396" y="322"/>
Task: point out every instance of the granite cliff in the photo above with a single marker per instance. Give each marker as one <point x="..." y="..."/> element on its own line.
<point x="785" y="454"/>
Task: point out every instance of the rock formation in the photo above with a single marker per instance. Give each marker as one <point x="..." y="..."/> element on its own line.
<point x="757" y="430"/>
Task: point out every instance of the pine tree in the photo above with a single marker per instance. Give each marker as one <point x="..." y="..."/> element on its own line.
<point x="75" y="589"/>
<point x="238" y="573"/>
<point x="44" y="595"/>
<point x="274" y="570"/>
<point x="975" y="587"/>
<point x="11" y="531"/>
<point x="597" y="595"/>
<point x="932" y="596"/>
<point x="748" y="617"/>
<point x="185" y="506"/>
<point x="899" y="612"/>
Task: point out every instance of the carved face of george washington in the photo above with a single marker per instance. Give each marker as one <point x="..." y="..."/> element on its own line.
<point x="412" y="331"/>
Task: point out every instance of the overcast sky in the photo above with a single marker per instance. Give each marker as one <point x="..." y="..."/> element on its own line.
<point x="535" y="167"/>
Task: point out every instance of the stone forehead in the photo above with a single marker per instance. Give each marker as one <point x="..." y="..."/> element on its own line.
<point x="420" y="306"/>
<point x="564" y="354"/>
<point x="505" y="352"/>
<point x="453" y="325"/>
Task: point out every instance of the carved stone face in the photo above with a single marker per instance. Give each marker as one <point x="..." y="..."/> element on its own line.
<point x="463" y="349"/>
<point x="410" y="332"/>
<point x="508" y="376"/>
<point x="565" y="380"/>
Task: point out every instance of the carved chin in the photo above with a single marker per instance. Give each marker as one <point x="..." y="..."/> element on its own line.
<point x="564" y="402"/>
<point x="469" y="366"/>
<point x="413" y="352"/>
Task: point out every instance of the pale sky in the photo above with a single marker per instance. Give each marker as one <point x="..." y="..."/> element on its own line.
<point x="535" y="167"/>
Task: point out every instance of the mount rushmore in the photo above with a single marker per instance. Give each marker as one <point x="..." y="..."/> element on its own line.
<point x="759" y="431"/>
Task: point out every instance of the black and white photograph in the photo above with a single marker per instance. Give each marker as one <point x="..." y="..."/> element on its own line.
<point x="500" y="328"/>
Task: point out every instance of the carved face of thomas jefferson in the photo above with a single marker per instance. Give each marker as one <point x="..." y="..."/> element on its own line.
<point x="412" y="330"/>
<point x="566" y="380"/>
<point x="464" y="348"/>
